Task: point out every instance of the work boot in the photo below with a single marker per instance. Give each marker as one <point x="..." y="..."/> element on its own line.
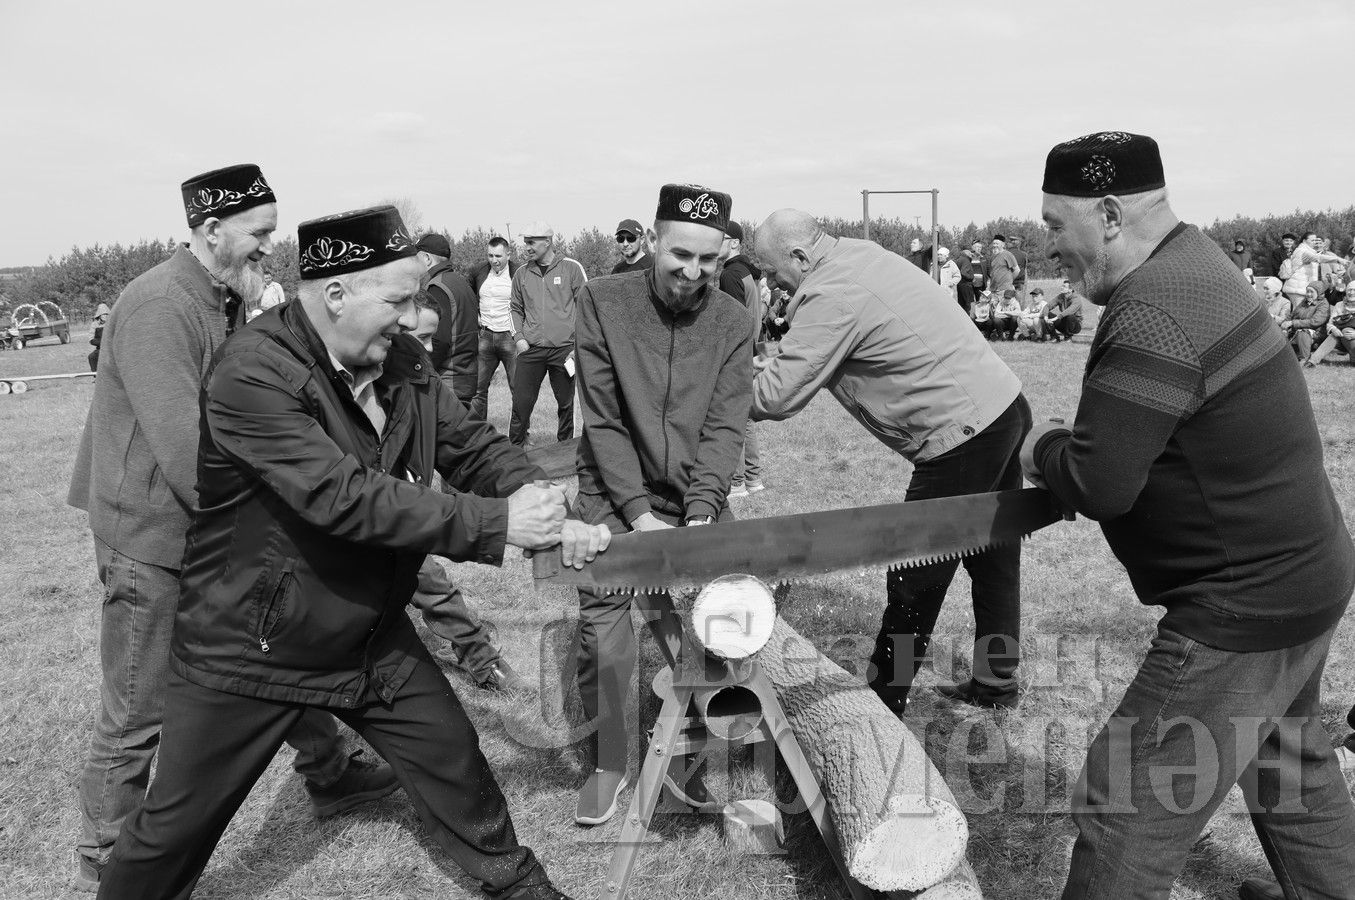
<point x="599" y="796"/>
<point x="977" y="694"/>
<point x="1260" y="889"/>
<point x="360" y="782"/>
<point x="503" y="679"/>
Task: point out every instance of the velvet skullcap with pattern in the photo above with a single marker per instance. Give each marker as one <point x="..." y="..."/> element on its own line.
<point x="224" y="192"/>
<point x="352" y="241"/>
<point x="1108" y="162"/>
<point x="693" y="203"/>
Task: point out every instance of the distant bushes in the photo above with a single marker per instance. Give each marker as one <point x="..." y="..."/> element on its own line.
<point x="85" y="277"/>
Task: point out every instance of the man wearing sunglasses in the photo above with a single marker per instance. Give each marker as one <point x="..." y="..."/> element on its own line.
<point x="630" y="240"/>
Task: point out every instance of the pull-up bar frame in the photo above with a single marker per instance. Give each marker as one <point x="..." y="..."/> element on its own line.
<point x="936" y="229"/>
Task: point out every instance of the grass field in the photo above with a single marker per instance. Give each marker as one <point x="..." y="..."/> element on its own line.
<point x="1085" y="635"/>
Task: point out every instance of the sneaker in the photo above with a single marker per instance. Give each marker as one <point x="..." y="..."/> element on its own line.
<point x="599" y="796"/>
<point x="503" y="679"/>
<point x="754" y="486"/>
<point x="738" y="490"/>
<point x="1260" y="889"/>
<point x="87" y="872"/>
<point x="981" y="695"/>
<point x="361" y="781"/>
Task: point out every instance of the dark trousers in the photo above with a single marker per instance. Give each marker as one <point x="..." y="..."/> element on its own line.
<point x="533" y="364"/>
<point x="989" y="461"/>
<point x="964" y="294"/>
<point x="216" y="745"/>
<point x="448" y="616"/>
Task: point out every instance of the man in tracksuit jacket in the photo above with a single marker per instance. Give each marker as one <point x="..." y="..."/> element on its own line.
<point x="665" y="369"/>
<point x="545" y="291"/>
<point x="322" y="425"/>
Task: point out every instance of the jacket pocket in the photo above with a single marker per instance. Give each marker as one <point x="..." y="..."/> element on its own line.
<point x="889" y="433"/>
<point x="272" y="608"/>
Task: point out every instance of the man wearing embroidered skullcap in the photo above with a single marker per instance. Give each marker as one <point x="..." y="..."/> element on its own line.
<point x="322" y="426"/>
<point x="136" y="475"/>
<point x="664" y="373"/>
<point x="1195" y="448"/>
<point x="545" y="291"/>
<point x="908" y="364"/>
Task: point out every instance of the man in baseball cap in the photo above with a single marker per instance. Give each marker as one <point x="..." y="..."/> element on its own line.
<point x="630" y="240"/>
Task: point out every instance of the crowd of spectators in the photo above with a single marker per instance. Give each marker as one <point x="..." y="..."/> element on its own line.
<point x="1307" y="293"/>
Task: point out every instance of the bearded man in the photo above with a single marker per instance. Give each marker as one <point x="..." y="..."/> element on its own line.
<point x="665" y="374"/>
<point x="1196" y="449"/>
<point x="136" y="474"/>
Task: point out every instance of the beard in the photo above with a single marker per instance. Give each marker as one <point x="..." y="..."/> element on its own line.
<point x="243" y="276"/>
<point x="681" y="302"/>
<point x="1094" y="284"/>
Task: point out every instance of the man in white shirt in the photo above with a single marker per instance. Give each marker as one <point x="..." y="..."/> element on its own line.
<point x="493" y="281"/>
<point x="272" y="293"/>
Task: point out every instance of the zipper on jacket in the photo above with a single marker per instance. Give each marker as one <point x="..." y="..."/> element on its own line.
<point x="668" y="391"/>
<point x="265" y="626"/>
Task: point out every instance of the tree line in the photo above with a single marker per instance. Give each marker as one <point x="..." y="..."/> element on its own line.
<point x="85" y="277"/>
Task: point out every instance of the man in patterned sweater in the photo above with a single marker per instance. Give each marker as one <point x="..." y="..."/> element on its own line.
<point x="1196" y="449"/>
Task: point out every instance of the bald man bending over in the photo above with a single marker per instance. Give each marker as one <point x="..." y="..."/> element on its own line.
<point x="903" y="358"/>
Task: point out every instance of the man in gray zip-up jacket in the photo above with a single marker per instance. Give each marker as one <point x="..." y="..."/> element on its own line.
<point x="665" y="368"/>
<point x="906" y="362"/>
<point x="545" y="291"/>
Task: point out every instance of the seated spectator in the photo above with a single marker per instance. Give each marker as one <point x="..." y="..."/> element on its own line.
<point x="1031" y="322"/>
<point x="1006" y="314"/>
<point x="1063" y="317"/>
<point x="982" y="313"/>
<point x="1307" y="322"/>
<point x="1275" y="302"/>
<point x="1340" y="330"/>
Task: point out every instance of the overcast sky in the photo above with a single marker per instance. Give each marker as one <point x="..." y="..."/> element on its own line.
<point x="575" y="112"/>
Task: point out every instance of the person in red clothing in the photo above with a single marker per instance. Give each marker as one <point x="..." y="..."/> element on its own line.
<point x="1196" y="449"/>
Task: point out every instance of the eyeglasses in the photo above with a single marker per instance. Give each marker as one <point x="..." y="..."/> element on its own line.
<point x="626" y="238"/>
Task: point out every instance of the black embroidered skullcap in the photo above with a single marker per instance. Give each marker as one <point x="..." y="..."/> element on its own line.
<point x="1108" y="162"/>
<point x="352" y="241"/>
<point x="224" y="192"/>
<point x="435" y="244"/>
<point x="998" y="237"/>
<point x="693" y="203"/>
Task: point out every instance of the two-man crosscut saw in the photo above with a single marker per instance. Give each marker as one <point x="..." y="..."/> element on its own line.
<point x="788" y="548"/>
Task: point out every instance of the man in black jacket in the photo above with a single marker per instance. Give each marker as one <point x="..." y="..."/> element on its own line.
<point x="321" y="430"/>
<point x="739" y="278"/>
<point x="456" y="342"/>
<point x="492" y="282"/>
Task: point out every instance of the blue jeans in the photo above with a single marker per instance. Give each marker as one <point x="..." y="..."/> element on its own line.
<point x="750" y="466"/>
<point x="134" y="637"/>
<point x="496" y="348"/>
<point x="447" y="615"/>
<point x="1194" y="722"/>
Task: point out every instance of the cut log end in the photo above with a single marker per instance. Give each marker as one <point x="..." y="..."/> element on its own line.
<point x="753" y="826"/>
<point x="916" y="846"/>
<point x="733" y="616"/>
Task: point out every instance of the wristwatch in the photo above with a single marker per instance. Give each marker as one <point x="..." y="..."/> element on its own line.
<point x="701" y="520"/>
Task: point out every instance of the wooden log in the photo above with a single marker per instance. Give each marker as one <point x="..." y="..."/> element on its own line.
<point x="899" y="825"/>
<point x="732" y="617"/>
